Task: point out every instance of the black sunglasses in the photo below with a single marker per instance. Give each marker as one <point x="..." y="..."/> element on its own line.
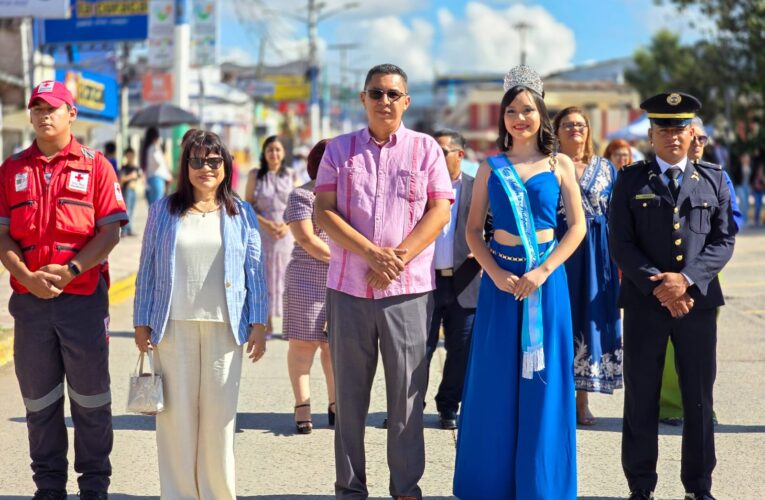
<point x="214" y="162"/>
<point x="447" y="151"/>
<point x="377" y="94"/>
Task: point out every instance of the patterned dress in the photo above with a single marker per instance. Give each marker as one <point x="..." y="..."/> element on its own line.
<point x="271" y="193"/>
<point x="593" y="282"/>
<point x="306" y="281"/>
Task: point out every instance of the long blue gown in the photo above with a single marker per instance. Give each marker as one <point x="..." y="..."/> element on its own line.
<point x="517" y="437"/>
<point x="593" y="281"/>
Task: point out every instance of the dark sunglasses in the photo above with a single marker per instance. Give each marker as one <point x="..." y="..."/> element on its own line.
<point x="447" y="151"/>
<point x="214" y="163"/>
<point x="377" y="94"/>
<point x="701" y="139"/>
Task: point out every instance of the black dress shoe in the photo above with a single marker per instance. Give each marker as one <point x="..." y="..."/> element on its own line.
<point x="699" y="496"/>
<point x="448" y="420"/>
<point x="641" y="495"/>
<point x="93" y="495"/>
<point x="50" y="495"/>
<point x="673" y="421"/>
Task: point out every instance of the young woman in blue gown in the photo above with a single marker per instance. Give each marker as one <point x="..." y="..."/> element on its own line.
<point x="593" y="278"/>
<point x="517" y="429"/>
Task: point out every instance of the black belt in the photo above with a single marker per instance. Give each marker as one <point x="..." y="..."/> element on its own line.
<point x="445" y="273"/>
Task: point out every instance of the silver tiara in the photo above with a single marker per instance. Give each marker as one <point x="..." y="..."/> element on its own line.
<point x="524" y="76"/>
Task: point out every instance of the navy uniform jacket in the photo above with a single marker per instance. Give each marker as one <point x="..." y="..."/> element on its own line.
<point x="649" y="233"/>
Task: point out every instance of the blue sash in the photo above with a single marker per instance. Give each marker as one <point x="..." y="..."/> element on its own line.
<point x="533" y="327"/>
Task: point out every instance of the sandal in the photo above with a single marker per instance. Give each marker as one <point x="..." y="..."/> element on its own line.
<point x="331" y="414"/>
<point x="303" y="426"/>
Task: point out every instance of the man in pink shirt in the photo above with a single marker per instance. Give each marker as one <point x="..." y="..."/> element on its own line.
<point x="383" y="196"/>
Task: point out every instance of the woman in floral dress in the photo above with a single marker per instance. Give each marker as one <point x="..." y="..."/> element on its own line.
<point x="592" y="276"/>
<point x="267" y="190"/>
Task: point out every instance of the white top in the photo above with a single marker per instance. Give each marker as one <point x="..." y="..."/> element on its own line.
<point x="198" y="287"/>
<point x="444" y="253"/>
<point x="156" y="166"/>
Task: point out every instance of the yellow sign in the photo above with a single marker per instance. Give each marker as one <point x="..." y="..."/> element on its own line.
<point x="290" y="87"/>
<point x="87" y="93"/>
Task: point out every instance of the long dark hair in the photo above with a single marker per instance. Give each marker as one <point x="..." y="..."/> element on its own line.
<point x="151" y="136"/>
<point x="545" y="135"/>
<point x="314" y="158"/>
<point x="264" y="164"/>
<point x="203" y="143"/>
<point x="589" y="149"/>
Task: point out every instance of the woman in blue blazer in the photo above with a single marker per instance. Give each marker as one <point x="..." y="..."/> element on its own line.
<point x="200" y="296"/>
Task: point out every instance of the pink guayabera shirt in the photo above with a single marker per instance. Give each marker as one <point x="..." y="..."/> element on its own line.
<point x="382" y="191"/>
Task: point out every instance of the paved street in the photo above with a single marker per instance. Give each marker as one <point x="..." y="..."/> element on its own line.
<point x="273" y="463"/>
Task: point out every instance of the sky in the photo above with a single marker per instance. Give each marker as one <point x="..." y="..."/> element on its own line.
<point x="430" y="38"/>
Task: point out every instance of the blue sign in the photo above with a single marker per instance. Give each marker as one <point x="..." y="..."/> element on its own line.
<point x="100" y="21"/>
<point x="95" y="95"/>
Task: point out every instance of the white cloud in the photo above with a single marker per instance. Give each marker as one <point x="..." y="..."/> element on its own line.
<point x="689" y="23"/>
<point x="485" y="39"/>
<point x="389" y="40"/>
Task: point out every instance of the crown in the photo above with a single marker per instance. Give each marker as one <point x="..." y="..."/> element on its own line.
<point x="524" y="76"/>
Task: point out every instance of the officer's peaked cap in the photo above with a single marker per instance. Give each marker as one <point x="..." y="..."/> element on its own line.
<point x="671" y="109"/>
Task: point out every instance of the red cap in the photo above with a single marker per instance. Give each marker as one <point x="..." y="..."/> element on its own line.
<point x="54" y="93"/>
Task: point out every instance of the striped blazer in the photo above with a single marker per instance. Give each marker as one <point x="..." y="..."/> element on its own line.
<point x="245" y="286"/>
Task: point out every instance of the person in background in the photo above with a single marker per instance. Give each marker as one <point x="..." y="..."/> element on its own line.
<point x="110" y="153"/>
<point x="671" y="232"/>
<point x="382" y="196"/>
<point x="742" y="174"/>
<point x="305" y="293"/>
<point x="200" y="295"/>
<point x="60" y="214"/>
<point x="517" y="430"/>
<point x="593" y="279"/>
<point x="457" y="282"/>
<point x="155" y="167"/>
<point x="267" y="190"/>
<point x="619" y="153"/>
<point x="129" y="175"/>
<point x="758" y="186"/>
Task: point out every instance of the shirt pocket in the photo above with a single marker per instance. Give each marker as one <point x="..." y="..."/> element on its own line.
<point x="647" y="213"/>
<point x="700" y="213"/>
<point x="75" y="216"/>
<point x="23" y="215"/>
<point x="412" y="186"/>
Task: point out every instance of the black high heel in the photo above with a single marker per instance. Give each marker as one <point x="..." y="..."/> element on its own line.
<point x="303" y="426"/>
<point x="331" y="415"/>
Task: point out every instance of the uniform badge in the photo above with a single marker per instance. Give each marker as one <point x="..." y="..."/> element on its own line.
<point x="645" y="196"/>
<point x="695" y="176"/>
<point x="117" y="191"/>
<point x="674" y="99"/>
<point x="45" y="87"/>
<point x="78" y="181"/>
<point x="22" y="181"/>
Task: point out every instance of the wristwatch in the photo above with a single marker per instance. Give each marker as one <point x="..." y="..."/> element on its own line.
<point x="73" y="269"/>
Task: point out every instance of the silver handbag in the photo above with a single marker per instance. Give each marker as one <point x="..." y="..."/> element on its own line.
<point x="145" y="394"/>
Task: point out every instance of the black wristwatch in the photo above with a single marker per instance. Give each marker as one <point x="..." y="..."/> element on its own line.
<point x="73" y="269"/>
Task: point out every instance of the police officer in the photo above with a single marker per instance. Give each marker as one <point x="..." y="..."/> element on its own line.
<point x="60" y="214"/>
<point x="671" y="232"/>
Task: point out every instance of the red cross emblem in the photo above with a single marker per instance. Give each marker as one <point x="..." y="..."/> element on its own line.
<point x="79" y="177"/>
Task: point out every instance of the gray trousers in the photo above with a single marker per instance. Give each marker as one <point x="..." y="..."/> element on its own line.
<point x="399" y="326"/>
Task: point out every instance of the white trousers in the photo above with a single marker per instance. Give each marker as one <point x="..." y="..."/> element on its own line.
<point x="201" y="368"/>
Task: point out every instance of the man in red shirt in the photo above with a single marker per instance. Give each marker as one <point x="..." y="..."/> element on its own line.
<point x="61" y="209"/>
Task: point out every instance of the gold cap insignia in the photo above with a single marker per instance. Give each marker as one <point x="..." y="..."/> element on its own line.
<point x="674" y="99"/>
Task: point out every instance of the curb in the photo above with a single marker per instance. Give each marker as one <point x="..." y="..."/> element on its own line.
<point x="119" y="292"/>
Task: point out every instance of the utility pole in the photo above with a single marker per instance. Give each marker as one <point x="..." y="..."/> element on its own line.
<point x="522" y="27"/>
<point x="343" y="48"/>
<point x="181" y="71"/>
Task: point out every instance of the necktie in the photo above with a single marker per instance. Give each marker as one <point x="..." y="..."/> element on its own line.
<point x="674" y="185"/>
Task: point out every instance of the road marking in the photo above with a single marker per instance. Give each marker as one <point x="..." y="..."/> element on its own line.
<point x="122" y="290"/>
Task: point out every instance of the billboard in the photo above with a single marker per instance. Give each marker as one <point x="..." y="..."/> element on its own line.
<point x="95" y="95"/>
<point x="204" y="32"/>
<point x="99" y="21"/>
<point x="161" y="32"/>
<point x="41" y="9"/>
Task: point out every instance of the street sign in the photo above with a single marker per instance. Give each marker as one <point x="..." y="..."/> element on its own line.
<point x="99" y="21"/>
<point x="41" y="9"/>
<point x="95" y="95"/>
<point x="157" y="87"/>
<point x="258" y="88"/>
<point x="161" y="33"/>
<point x="204" y="33"/>
<point x="290" y="87"/>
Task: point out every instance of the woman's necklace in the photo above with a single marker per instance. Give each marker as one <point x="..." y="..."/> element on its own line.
<point x="204" y="213"/>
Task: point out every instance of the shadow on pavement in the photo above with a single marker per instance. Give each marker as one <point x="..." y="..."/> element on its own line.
<point x="124" y="335"/>
<point x="119" y="423"/>
<point x="613" y="424"/>
<point x="309" y="497"/>
<point x="114" y="496"/>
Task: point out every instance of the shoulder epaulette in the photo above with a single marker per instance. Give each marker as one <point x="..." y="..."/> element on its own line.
<point x="87" y="152"/>
<point x="708" y="164"/>
<point x="633" y="166"/>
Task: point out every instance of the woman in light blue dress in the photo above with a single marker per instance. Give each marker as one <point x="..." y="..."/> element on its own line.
<point x="517" y="428"/>
<point x="593" y="278"/>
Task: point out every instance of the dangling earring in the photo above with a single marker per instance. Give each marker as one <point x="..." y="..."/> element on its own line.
<point x="507" y="142"/>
